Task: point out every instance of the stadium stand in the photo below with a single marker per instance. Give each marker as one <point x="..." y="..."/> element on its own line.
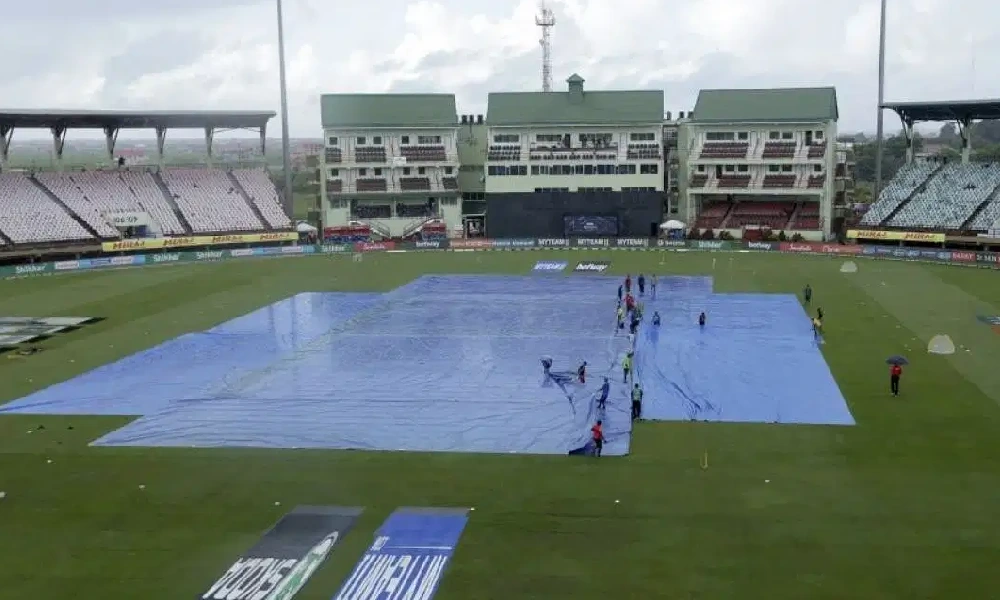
<point x="806" y="217"/>
<point x="150" y="196"/>
<point x="257" y="186"/>
<point x="906" y="183"/>
<point x="723" y="150"/>
<point x="30" y="216"/>
<point x="209" y="201"/>
<point x="712" y="215"/>
<point x="87" y="194"/>
<point x="950" y="197"/>
<point x="775" y="215"/>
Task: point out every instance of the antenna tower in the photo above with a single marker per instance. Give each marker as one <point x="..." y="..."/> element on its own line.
<point x="546" y="20"/>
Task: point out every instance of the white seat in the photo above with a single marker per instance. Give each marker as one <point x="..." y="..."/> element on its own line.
<point x="907" y="180"/>
<point x="29" y="216"/>
<point x="209" y="201"/>
<point x="261" y="191"/>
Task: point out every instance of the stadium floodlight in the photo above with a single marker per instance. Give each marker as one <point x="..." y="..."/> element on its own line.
<point x="881" y="100"/>
<point x="286" y="162"/>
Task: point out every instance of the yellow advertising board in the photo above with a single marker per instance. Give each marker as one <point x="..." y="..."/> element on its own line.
<point x="896" y="236"/>
<point x="198" y="240"/>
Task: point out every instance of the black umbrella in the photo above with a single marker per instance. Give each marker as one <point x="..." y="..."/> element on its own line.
<point x="897" y="360"/>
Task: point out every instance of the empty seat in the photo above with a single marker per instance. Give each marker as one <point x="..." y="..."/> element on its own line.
<point x="712" y="215"/>
<point x="779" y="150"/>
<point x="423" y="153"/>
<point x="29" y="216"/>
<point x="644" y="151"/>
<point x="209" y="201"/>
<point x="907" y="180"/>
<point x="504" y="153"/>
<point x="261" y="191"/>
<point x="723" y="150"/>
<point x="413" y="184"/>
<point x="371" y="184"/>
<point x="778" y="181"/>
<point x="950" y="198"/>
<point x="369" y="154"/>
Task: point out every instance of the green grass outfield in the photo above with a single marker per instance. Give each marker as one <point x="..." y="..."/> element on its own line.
<point x="904" y="505"/>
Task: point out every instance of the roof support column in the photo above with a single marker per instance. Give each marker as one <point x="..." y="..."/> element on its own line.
<point x="908" y="135"/>
<point x="263" y="141"/>
<point x="963" y="131"/>
<point x="110" y="139"/>
<point x="209" y="138"/>
<point x="6" y="134"/>
<point x="58" y="143"/>
<point x="161" y="141"/>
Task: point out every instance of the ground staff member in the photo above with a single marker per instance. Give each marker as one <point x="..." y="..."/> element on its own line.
<point x="895" y="372"/>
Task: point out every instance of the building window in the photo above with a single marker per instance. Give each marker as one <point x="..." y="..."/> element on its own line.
<point x="642" y="137"/>
<point x="360" y="140"/>
<point x="377" y="140"/>
<point x="535" y="170"/>
<point x="818" y="135"/>
<point x="701" y="168"/>
<point x="595" y="140"/>
<point x="406" y="170"/>
<point x="362" y="172"/>
<point x="334" y="173"/>
<point x="649" y="169"/>
<point x="720" y="136"/>
<point x="730" y="168"/>
<point x="378" y="172"/>
<point x="448" y="170"/>
<point x="787" y="135"/>
<point x="331" y="141"/>
<point x="428" y="139"/>
<point x="421" y="170"/>
<point x="743" y="135"/>
<point x="506" y="138"/>
<point x="774" y="135"/>
<point x="405" y="140"/>
<point x="818" y="168"/>
<point x="743" y="168"/>
<point x="786" y="168"/>
<point x="550" y="138"/>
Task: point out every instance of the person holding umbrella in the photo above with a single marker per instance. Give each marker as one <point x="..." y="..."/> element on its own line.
<point x="895" y="372"/>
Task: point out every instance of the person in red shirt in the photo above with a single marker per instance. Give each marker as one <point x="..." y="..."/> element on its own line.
<point x="629" y="302"/>
<point x="894" y="374"/>
<point x="597" y="431"/>
<point x="628" y="283"/>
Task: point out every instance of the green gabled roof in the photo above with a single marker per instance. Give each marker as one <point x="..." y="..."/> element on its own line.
<point x="388" y="110"/>
<point x="772" y="106"/>
<point x="560" y="108"/>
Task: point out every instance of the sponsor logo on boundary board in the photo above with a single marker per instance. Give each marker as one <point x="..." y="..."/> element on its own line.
<point x="896" y="236"/>
<point x="284" y="559"/>
<point x="989" y="260"/>
<point x="198" y="240"/>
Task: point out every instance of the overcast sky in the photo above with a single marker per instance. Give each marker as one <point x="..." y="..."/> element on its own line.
<point x="190" y="54"/>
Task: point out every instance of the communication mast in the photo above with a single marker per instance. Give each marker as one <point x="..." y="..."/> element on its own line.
<point x="546" y="20"/>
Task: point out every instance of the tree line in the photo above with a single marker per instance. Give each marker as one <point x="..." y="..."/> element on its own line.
<point x="984" y="136"/>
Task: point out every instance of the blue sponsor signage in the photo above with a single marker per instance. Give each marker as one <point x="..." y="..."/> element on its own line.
<point x="550" y="266"/>
<point x="408" y="558"/>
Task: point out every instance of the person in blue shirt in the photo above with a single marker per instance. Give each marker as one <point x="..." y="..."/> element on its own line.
<point x="642" y="284"/>
<point x="605" y="390"/>
<point x="656" y="318"/>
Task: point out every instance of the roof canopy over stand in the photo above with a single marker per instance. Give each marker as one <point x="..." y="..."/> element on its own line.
<point x="111" y="122"/>
<point x="962" y="112"/>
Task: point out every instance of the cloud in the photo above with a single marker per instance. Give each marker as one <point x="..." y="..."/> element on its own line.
<point x="185" y="54"/>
